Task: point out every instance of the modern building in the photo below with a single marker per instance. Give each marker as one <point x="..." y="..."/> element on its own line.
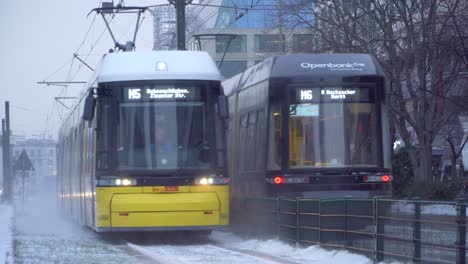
<point x="238" y="36"/>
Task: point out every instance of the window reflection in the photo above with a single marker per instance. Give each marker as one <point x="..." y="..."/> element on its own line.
<point x="332" y="135"/>
<point x="274" y="144"/>
<point x="237" y="44"/>
<point x="269" y="43"/>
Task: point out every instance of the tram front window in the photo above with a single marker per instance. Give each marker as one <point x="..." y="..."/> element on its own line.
<point x="156" y="128"/>
<point x="161" y="135"/>
<point x="332" y="135"/>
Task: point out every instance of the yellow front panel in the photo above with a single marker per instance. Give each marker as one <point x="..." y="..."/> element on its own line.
<point x="103" y="201"/>
<point x="165" y="202"/>
<point x="223" y="194"/>
<point x="155" y="206"/>
<point x="165" y="219"/>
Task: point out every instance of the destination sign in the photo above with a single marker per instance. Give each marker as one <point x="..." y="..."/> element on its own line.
<point x="161" y="94"/>
<point x="333" y="94"/>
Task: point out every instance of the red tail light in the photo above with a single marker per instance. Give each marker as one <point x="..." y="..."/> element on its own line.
<point x="377" y="178"/>
<point x="278" y="180"/>
<point x="385" y="178"/>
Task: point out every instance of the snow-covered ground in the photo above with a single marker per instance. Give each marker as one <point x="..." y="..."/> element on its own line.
<point x="6" y="236"/>
<point x="435" y="208"/>
<point x="223" y="247"/>
<point x="41" y="235"/>
<point x="313" y="254"/>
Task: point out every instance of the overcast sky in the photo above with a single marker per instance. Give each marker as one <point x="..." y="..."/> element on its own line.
<point x="37" y="38"/>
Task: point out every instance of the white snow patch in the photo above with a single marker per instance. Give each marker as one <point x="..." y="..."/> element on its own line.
<point x="6" y="237"/>
<point x="202" y="253"/>
<point x="439" y="209"/>
<point x="276" y="248"/>
<point x="159" y="257"/>
<point x="426" y="208"/>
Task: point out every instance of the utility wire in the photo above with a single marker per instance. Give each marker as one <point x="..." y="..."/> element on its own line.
<point x="87" y="32"/>
<point x="60" y="68"/>
<point x="245" y="7"/>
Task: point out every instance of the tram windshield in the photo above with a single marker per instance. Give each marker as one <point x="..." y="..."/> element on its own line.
<point x="161" y="135"/>
<point x="327" y="132"/>
<point x="159" y="128"/>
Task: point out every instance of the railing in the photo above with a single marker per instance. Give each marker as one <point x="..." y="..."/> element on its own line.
<point x="382" y="229"/>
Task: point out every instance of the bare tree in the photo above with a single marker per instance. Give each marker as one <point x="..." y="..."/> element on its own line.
<point x="414" y="42"/>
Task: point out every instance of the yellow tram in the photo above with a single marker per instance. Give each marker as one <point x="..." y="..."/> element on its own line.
<point x="143" y="147"/>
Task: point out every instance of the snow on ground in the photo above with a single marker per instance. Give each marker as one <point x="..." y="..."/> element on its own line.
<point x="42" y="235"/>
<point x="313" y="254"/>
<point x="442" y="208"/>
<point x="6" y="239"/>
<point x="202" y="253"/>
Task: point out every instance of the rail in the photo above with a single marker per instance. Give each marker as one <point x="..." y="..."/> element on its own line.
<point x="382" y="229"/>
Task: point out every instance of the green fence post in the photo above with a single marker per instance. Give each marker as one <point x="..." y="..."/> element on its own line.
<point x="345" y="223"/>
<point x="379" y="230"/>
<point x="417" y="231"/>
<point x="461" y="231"/>
<point x="278" y="209"/>
<point x="297" y="221"/>
<point x="320" y="222"/>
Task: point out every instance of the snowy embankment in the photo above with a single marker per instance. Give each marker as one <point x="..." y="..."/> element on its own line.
<point x="6" y="236"/>
<point x="223" y="247"/>
<point x="312" y="254"/>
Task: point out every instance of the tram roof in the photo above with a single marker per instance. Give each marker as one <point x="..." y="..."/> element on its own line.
<point x="134" y="66"/>
<point x="306" y="67"/>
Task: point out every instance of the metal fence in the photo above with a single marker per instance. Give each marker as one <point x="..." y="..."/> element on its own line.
<point x="382" y="229"/>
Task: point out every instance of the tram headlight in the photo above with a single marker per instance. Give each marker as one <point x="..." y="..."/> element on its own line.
<point x="125" y="182"/>
<point x="211" y="180"/>
<point x="205" y="181"/>
<point x="116" y="181"/>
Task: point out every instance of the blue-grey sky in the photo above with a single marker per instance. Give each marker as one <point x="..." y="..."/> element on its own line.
<point x="37" y="38"/>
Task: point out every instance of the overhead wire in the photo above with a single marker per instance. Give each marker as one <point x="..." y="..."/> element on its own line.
<point x="60" y="68"/>
<point x="69" y="77"/>
<point x="93" y="46"/>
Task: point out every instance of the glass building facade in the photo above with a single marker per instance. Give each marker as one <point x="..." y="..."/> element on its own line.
<point x="258" y="33"/>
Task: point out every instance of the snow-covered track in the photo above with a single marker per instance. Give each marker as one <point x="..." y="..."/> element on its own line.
<point x="206" y="253"/>
<point x="256" y="254"/>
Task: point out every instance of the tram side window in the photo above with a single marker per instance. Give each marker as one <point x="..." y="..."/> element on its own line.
<point x="260" y="141"/>
<point x="219" y="139"/>
<point x="251" y="151"/>
<point x="243" y="143"/>
<point x="274" y="138"/>
<point x="104" y="134"/>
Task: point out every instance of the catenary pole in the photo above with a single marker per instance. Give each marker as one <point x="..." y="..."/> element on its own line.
<point x="180" y="23"/>
<point x="7" y="165"/>
<point x="4" y="167"/>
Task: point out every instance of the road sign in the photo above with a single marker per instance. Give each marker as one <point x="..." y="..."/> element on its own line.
<point x="23" y="162"/>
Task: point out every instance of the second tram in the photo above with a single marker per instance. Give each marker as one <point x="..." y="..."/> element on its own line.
<point x="309" y="125"/>
<point x="142" y="148"/>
